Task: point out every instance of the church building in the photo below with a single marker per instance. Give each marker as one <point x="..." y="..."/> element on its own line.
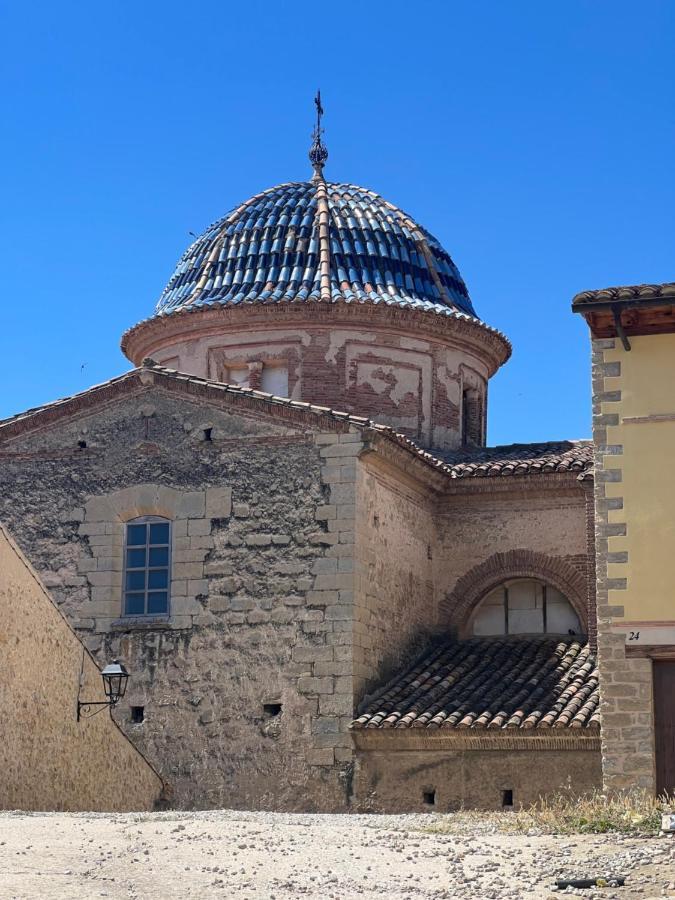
<point x="284" y="520"/>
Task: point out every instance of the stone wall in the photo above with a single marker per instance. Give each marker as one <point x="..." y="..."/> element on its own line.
<point x="49" y="760"/>
<point x="395" y="610"/>
<point x="262" y="558"/>
<point x="402" y="778"/>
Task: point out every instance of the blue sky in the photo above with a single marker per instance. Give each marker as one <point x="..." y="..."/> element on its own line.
<point x="535" y="140"/>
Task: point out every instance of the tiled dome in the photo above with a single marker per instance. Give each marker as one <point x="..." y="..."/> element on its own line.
<point x="317" y="241"/>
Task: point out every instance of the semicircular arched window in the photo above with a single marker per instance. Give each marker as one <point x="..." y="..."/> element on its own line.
<point x="524" y="606"/>
<point x="147" y="561"/>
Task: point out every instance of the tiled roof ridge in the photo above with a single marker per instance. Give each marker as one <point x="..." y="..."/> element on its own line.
<point x="183" y="377"/>
<point x="626" y="292"/>
<point x="490" y="683"/>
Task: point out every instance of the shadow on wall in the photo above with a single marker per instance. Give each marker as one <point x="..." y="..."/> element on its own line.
<point x="49" y="760"/>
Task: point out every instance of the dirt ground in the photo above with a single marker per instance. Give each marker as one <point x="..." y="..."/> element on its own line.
<point x="276" y="856"/>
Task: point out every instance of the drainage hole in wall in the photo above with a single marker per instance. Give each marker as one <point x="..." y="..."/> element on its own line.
<point x="507" y="798"/>
<point x="137" y="714"/>
<point x="82" y="445"/>
<point x="429" y="798"/>
<point x="272" y="709"/>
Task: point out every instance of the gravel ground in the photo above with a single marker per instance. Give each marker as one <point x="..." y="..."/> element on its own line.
<point x="276" y="856"/>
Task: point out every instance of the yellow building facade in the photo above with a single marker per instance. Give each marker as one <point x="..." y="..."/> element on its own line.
<point x="633" y="334"/>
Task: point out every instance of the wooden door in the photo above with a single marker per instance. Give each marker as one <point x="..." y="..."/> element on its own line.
<point x="664" y="725"/>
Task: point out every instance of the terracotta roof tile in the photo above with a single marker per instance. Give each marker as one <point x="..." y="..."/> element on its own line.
<point x="520" y="459"/>
<point x="492" y="683"/>
<point x="626" y="292"/>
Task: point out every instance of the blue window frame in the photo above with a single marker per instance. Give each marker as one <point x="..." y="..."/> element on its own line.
<point x="147" y="566"/>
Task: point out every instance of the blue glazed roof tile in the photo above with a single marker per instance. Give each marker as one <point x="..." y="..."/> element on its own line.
<point x="267" y="249"/>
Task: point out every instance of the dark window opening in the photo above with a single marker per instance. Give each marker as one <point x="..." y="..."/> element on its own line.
<point x="429" y="798"/>
<point x="507" y="798"/>
<point x="137" y="714"/>
<point x="472" y="418"/>
<point x="208" y="434"/>
<point x="272" y="709"/>
<point x="82" y="445"/>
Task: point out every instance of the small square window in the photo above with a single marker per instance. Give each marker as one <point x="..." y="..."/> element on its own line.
<point x="429" y="798"/>
<point x="137" y="714"/>
<point x="272" y="709"/>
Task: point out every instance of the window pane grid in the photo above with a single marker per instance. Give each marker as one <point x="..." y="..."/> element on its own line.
<point x="146" y="574"/>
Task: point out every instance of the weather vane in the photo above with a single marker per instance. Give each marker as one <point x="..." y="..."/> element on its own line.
<point x="318" y="154"/>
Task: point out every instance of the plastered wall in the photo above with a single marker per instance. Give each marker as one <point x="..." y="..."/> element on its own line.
<point x="644" y="428"/>
<point x="49" y="760"/>
<point x="634" y="434"/>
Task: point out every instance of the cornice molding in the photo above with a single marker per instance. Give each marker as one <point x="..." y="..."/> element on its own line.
<point x="458" y="330"/>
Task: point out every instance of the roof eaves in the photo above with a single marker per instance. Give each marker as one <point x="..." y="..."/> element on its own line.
<point x="625" y="295"/>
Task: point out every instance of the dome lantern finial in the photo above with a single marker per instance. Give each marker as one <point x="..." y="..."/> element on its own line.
<point x="318" y="154"/>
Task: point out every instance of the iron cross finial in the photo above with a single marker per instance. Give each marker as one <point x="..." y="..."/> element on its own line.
<point x="318" y="154"/>
<point x="319" y="110"/>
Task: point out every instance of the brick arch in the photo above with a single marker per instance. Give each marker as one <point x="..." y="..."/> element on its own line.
<point x="457" y="606"/>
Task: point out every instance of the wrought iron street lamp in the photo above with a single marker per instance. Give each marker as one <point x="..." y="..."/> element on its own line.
<point x="115" y="677"/>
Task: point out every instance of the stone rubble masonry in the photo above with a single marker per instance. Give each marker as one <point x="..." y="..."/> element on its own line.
<point x="49" y="760"/>
<point x="626" y="700"/>
<point x="262" y="587"/>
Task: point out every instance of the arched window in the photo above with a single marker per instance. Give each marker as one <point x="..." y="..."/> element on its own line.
<point x="147" y="566"/>
<point x="525" y="606"/>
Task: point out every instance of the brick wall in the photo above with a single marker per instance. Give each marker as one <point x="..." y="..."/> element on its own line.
<point x="400" y="367"/>
<point x="508" y="528"/>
